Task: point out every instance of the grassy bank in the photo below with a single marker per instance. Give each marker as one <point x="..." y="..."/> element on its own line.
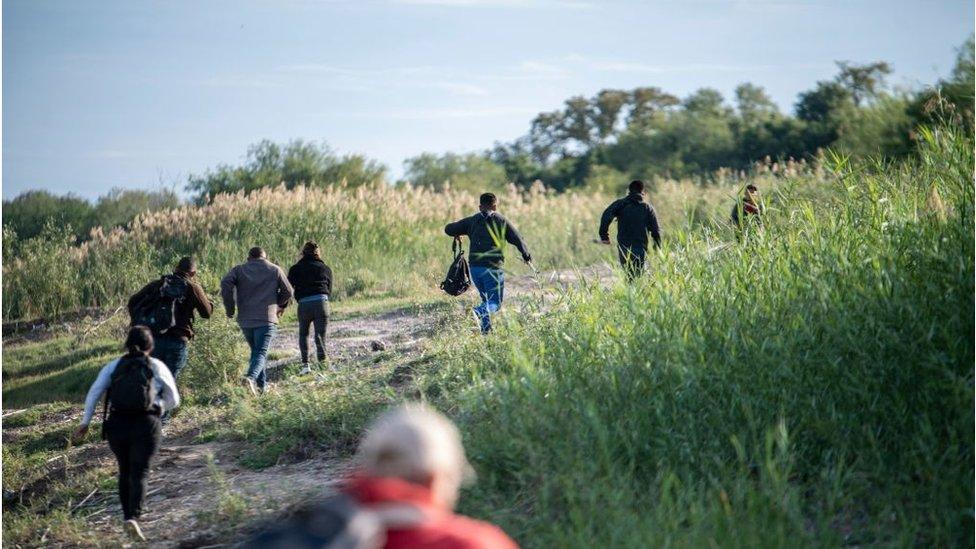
<point x="811" y="385"/>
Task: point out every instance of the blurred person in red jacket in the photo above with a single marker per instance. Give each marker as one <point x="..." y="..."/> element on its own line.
<point x="409" y="471"/>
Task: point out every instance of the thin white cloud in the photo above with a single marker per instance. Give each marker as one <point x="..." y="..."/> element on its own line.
<point x="575" y="4"/>
<point x="436" y="114"/>
<point x="538" y="68"/>
<point x="612" y="65"/>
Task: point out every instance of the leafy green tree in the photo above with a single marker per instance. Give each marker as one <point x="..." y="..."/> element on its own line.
<point x="951" y="98"/>
<point x="754" y="104"/>
<point x="462" y="171"/>
<point x="708" y="102"/>
<point x="605" y="111"/>
<point x="295" y="163"/>
<point x="863" y="81"/>
<point x="545" y="136"/>
<point x="577" y="122"/>
<point x="31" y="211"/>
<point x="120" y="206"/>
<point x="647" y="103"/>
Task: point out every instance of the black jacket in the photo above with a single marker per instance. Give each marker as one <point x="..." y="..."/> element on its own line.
<point x="635" y="218"/>
<point x="310" y="276"/>
<point x="485" y="251"/>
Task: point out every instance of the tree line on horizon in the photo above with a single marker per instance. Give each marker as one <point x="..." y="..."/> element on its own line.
<point x="599" y="142"/>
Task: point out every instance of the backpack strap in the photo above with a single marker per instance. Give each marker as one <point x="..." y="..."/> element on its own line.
<point x="457" y="245"/>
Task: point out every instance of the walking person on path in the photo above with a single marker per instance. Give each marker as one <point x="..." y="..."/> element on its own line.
<point x="139" y="388"/>
<point x="312" y="280"/>
<point x="488" y="231"/>
<point x="635" y="220"/>
<point x="260" y="291"/>
<point x="171" y="342"/>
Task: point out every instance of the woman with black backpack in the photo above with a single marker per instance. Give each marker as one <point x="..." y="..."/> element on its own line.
<point x="139" y="388"/>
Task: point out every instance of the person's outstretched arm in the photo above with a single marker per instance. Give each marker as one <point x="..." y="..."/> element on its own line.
<point x="513" y="237"/>
<point x="653" y="227"/>
<point x="228" y="290"/>
<point x="458" y="228"/>
<point x="608" y="215"/>
<point x="285" y="291"/>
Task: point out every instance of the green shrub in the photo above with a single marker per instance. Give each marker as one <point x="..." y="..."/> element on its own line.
<point x="811" y="385"/>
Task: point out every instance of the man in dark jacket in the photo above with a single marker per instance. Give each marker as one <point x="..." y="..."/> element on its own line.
<point x="635" y="219"/>
<point x="311" y="279"/>
<point x="171" y="348"/>
<point x="488" y="232"/>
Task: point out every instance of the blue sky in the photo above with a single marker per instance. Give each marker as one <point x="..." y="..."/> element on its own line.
<point x="140" y="94"/>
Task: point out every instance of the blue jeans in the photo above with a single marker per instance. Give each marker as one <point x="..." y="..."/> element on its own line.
<point x="259" y="340"/>
<point x="490" y="283"/>
<point x="172" y="351"/>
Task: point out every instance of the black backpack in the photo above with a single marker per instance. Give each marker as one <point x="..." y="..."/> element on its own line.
<point x="335" y="522"/>
<point x="458" y="278"/>
<point x="157" y="311"/>
<point x="132" y="390"/>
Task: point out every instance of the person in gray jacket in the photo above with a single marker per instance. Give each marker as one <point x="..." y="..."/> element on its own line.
<point x="260" y="291"/>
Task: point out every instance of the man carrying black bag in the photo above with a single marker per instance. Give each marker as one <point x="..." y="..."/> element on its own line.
<point x="488" y="231"/>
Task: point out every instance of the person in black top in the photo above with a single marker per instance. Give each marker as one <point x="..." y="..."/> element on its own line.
<point x="635" y="219"/>
<point x="312" y="280"/>
<point x="488" y="231"/>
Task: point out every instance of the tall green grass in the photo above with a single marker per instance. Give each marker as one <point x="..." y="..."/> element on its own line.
<point x="380" y="241"/>
<point x="810" y="385"/>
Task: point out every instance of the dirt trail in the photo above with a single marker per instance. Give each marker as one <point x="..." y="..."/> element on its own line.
<point x="185" y="483"/>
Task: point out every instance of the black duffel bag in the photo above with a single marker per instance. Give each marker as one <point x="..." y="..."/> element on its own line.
<point x="458" y="278"/>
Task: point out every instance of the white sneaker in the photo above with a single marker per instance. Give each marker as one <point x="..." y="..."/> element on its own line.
<point x="305" y="370"/>
<point x="249" y="384"/>
<point x="132" y="529"/>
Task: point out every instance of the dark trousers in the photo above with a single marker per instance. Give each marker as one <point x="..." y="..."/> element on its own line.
<point x="312" y="314"/>
<point x="172" y="351"/>
<point x="632" y="260"/>
<point x="134" y="441"/>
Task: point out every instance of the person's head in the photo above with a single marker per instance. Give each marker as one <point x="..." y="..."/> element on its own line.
<point x="139" y="341"/>
<point x="419" y="445"/>
<point x="187" y="265"/>
<point x="256" y="252"/>
<point x="310" y="249"/>
<point x="488" y="202"/>
<point x="636" y="186"/>
<point x="752" y="193"/>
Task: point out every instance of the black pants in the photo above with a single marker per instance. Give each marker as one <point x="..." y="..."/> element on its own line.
<point x="134" y="441"/>
<point x="632" y="260"/>
<point x="312" y="313"/>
